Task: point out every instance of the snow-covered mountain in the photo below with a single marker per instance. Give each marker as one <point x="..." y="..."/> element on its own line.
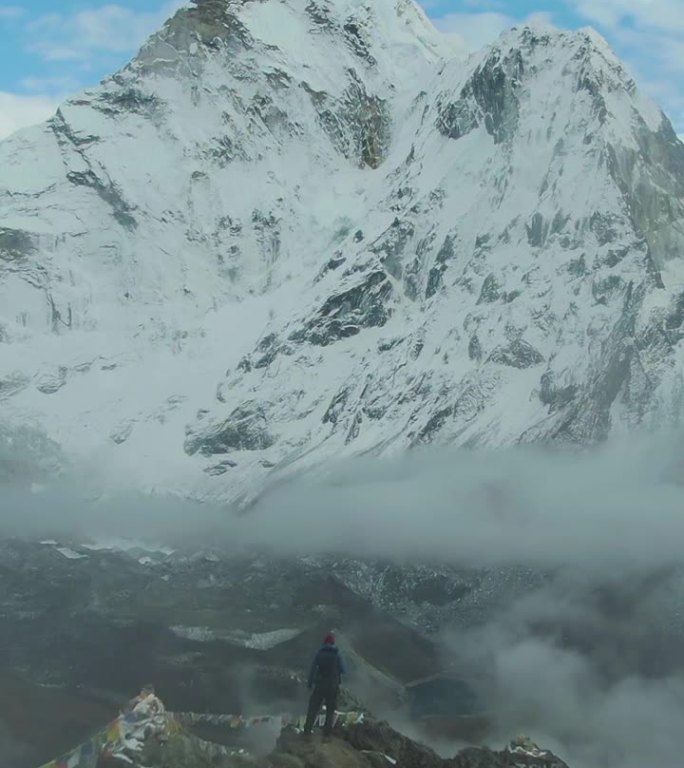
<point x="297" y="229"/>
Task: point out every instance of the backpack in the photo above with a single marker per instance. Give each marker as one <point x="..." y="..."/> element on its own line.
<point x="328" y="668"/>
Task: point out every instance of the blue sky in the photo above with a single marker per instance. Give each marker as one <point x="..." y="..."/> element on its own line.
<point x="49" y="50"/>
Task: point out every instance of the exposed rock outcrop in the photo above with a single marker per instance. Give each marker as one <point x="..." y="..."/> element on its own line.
<point x="369" y="745"/>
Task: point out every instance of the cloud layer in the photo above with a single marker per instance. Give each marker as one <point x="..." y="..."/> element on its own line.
<point x="91" y="34"/>
<point x="18" y="111"/>
<point x="590" y="663"/>
<point x="617" y="508"/>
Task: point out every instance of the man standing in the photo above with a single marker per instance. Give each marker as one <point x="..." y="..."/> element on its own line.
<point x="325" y="678"/>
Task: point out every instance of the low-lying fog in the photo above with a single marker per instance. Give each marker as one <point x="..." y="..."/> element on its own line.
<point x="590" y="665"/>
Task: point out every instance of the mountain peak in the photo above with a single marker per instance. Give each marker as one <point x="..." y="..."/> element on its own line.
<point x="213" y="22"/>
<point x="299" y="229"/>
<point x="585" y="46"/>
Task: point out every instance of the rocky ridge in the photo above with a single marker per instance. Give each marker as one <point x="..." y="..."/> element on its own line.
<point x="368" y="745"/>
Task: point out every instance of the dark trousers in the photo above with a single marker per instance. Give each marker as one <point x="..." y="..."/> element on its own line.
<point x="319" y="696"/>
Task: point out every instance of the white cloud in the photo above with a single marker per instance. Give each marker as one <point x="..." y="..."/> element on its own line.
<point x="87" y="34"/>
<point x="647" y="14"/>
<point x="475" y="30"/>
<point x="51" y="85"/>
<point x="18" y="111"/>
<point x="11" y="11"/>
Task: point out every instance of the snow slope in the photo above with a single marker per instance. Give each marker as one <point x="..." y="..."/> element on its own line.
<point x="297" y="229"/>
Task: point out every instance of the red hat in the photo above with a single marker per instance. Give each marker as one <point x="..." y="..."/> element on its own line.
<point x="329" y="639"/>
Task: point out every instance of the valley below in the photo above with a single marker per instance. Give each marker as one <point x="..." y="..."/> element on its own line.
<point x="451" y="656"/>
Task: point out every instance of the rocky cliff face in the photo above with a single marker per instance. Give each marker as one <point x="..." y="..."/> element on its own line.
<point x="295" y="230"/>
<point x="367" y="745"/>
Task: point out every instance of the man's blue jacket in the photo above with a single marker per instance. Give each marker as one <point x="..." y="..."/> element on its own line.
<point x="327" y="668"/>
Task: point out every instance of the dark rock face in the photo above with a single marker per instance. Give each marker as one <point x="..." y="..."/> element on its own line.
<point x="65" y="133"/>
<point x="517" y="354"/>
<point x="436" y="277"/>
<point x="337" y="407"/>
<point x="488" y="98"/>
<point x="380" y="739"/>
<point x="128" y="98"/>
<point x="651" y="180"/>
<point x="490" y="291"/>
<point x="15" y="244"/>
<point x="213" y="22"/>
<point x="371" y="744"/>
<point x="589" y="413"/>
<point x="434" y="425"/>
<point x="108" y="192"/>
<point x="267" y="349"/>
<point x="494" y="89"/>
<point x="358" y="124"/>
<point x="674" y="322"/>
<point x="457" y="119"/>
<point x="605" y="227"/>
<point x="357" y="42"/>
<point x="475" y="348"/>
<point x="244" y="430"/>
<point x="375" y="744"/>
<point x="554" y="396"/>
<point x="391" y="246"/>
<point x="537" y="231"/>
<point x="320" y="14"/>
<point x="345" y="314"/>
